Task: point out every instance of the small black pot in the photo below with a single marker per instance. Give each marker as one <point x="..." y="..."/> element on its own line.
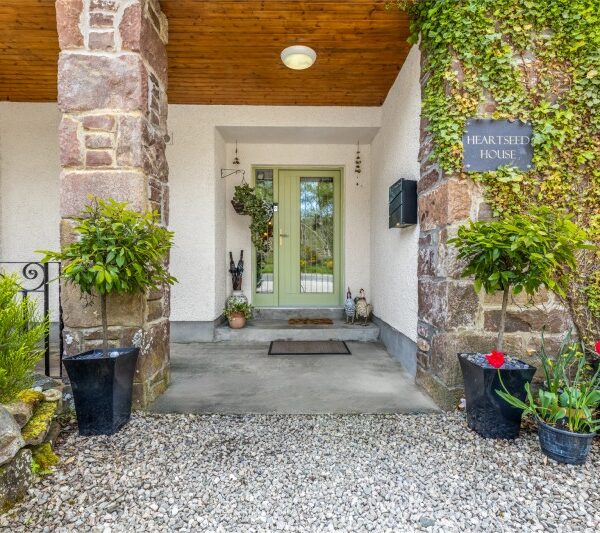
<point x="564" y="446"/>
<point x="238" y="207"/>
<point x="487" y="413"/>
<point x="102" y="388"/>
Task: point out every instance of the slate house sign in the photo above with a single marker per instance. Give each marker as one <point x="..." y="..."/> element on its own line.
<point x="490" y="144"/>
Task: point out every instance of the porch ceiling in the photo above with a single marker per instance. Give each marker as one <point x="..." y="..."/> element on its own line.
<point x="298" y="134"/>
<point x="227" y="52"/>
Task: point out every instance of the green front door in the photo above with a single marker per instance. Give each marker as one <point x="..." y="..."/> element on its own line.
<point x="303" y="266"/>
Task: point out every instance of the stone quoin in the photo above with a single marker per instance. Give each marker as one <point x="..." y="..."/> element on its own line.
<point x="112" y="92"/>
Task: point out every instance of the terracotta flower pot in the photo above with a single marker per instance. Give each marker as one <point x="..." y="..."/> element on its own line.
<point x="237" y="321"/>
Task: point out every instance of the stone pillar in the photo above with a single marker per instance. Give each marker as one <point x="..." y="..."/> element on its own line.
<point x="448" y="305"/>
<point x="452" y="317"/>
<point x="112" y="83"/>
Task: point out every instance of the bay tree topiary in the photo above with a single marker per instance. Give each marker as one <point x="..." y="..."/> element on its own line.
<point x="519" y="253"/>
<point x="117" y="251"/>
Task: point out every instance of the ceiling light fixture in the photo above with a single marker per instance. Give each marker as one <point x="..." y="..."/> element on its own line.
<point x="298" y="57"/>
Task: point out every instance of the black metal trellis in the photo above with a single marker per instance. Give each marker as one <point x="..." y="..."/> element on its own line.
<point x="35" y="279"/>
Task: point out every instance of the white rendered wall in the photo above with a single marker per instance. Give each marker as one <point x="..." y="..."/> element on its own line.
<point x="206" y="226"/>
<point x="29" y="181"/>
<point x="394" y="155"/>
<point x="355" y="201"/>
<point x="221" y="274"/>
<point x="200" y="212"/>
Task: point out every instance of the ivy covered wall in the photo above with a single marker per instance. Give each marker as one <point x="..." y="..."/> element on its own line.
<point x="537" y="61"/>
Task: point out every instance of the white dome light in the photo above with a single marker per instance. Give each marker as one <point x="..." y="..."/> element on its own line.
<point x="298" y="57"/>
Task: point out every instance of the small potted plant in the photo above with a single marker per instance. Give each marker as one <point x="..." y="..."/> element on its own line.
<point x="565" y="407"/>
<point x="237" y="312"/>
<point x="117" y="251"/>
<point x="520" y="253"/>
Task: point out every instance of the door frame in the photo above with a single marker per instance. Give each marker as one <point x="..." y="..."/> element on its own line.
<point x="272" y="300"/>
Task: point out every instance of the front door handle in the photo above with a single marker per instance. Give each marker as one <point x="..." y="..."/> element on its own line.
<point x="281" y="236"/>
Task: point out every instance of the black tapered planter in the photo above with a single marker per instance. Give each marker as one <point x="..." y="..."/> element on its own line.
<point x="102" y="388"/>
<point x="564" y="446"/>
<point x="487" y="413"/>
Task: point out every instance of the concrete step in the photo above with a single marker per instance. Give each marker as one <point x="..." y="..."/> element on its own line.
<point x="285" y="313"/>
<point x="262" y="330"/>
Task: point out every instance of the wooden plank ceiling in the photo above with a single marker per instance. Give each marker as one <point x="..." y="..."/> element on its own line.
<point x="227" y="52"/>
<point x="28" y="50"/>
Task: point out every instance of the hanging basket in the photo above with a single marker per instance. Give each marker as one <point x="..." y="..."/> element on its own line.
<point x="238" y="207"/>
<point x="245" y="201"/>
<point x="242" y="199"/>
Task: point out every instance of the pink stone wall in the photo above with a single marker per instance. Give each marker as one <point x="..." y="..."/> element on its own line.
<point x="452" y="317"/>
<point x="112" y="84"/>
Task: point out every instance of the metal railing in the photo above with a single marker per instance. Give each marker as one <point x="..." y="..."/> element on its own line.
<point x="34" y="278"/>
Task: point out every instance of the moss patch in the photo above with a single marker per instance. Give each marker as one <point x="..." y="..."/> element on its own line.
<point x="30" y="397"/>
<point x="43" y="459"/>
<point x="40" y="421"/>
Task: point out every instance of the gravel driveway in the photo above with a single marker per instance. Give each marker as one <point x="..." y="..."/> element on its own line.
<point x="308" y="473"/>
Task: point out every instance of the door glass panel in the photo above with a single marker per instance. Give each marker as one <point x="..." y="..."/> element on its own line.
<point x="264" y="258"/>
<point x="316" y="235"/>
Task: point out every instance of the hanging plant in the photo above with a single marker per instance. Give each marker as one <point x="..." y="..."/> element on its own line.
<point x="246" y="201"/>
<point x="243" y="195"/>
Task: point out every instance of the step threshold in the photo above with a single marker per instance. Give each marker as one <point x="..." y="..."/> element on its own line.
<point x="265" y="330"/>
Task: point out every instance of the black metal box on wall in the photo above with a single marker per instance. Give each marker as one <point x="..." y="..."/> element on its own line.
<point x="403" y="203"/>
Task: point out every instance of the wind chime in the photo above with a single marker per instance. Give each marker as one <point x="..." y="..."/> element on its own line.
<point x="357" y="163"/>
<point x="236" y="159"/>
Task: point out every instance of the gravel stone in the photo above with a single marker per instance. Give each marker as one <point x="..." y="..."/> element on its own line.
<point x="307" y="473"/>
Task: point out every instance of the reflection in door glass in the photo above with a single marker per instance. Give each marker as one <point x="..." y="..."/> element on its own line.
<point x="264" y="258"/>
<point x="316" y="235"/>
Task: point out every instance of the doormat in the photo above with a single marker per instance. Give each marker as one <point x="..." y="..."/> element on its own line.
<point x="309" y="321"/>
<point x="309" y="348"/>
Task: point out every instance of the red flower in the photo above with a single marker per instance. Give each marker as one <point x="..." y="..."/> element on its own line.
<point x="597" y="347"/>
<point x="496" y="359"/>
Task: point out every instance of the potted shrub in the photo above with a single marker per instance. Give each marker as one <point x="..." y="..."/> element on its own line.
<point x="118" y="251"/>
<point x="565" y="407"/>
<point x="518" y="254"/>
<point x="237" y="312"/>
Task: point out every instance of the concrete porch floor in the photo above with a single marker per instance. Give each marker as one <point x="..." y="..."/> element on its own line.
<point x="224" y="378"/>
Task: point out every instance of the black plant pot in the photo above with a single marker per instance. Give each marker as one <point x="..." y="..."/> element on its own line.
<point x="102" y="387"/>
<point x="238" y="207"/>
<point x="487" y="413"/>
<point x="564" y="446"/>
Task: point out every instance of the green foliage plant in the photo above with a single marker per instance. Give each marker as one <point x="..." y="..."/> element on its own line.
<point x="22" y="331"/>
<point x="248" y="201"/>
<point x="570" y="396"/>
<point x="237" y="306"/>
<point x="555" y="368"/>
<point x="519" y="253"/>
<point x="118" y="251"/>
<point x="530" y="60"/>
